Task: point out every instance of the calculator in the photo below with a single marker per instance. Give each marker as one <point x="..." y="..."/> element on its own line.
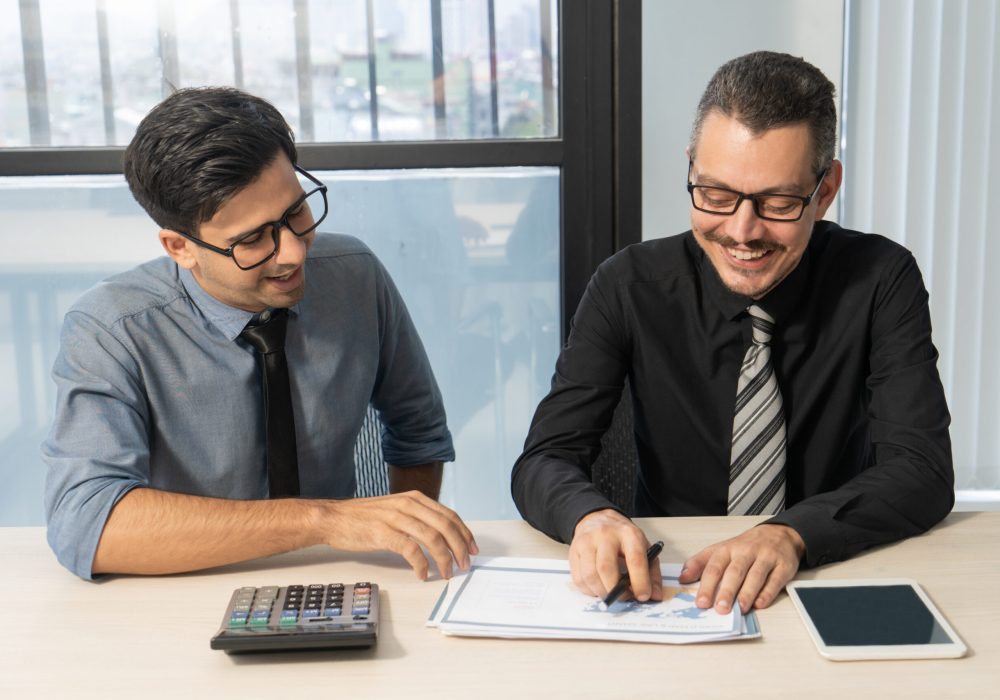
<point x="285" y="618"/>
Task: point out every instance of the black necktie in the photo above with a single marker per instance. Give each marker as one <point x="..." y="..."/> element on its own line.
<point x="282" y="462"/>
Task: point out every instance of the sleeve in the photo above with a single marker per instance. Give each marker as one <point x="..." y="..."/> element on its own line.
<point x="551" y="480"/>
<point x="406" y="394"/>
<point x="909" y="486"/>
<point x="97" y="449"/>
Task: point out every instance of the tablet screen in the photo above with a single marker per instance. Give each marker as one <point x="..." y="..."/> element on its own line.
<point x="871" y="616"/>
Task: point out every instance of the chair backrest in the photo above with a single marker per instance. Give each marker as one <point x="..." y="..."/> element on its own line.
<point x="615" y="470"/>
<point x="369" y="464"/>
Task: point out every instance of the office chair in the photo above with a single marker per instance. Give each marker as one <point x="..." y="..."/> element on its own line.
<point x="370" y="469"/>
<point x="615" y="470"/>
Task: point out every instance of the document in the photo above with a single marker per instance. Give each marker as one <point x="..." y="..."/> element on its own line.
<point x="535" y="598"/>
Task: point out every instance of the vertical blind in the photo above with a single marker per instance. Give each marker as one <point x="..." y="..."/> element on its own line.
<point x="921" y="147"/>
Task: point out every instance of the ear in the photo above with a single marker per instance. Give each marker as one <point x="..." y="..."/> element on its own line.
<point x="178" y="248"/>
<point x="828" y="190"/>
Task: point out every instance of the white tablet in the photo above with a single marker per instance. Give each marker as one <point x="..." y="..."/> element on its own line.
<point x="873" y="619"/>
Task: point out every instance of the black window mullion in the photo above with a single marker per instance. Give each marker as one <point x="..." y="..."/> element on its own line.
<point x="585" y="64"/>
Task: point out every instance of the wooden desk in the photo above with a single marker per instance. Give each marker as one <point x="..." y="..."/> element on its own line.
<point x="148" y="637"/>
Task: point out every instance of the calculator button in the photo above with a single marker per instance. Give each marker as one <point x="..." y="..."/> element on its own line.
<point x="359" y="611"/>
<point x="332" y="612"/>
<point x="310" y="612"/>
<point x="268" y="591"/>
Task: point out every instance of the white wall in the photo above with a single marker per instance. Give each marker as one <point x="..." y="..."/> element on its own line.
<point x="682" y="45"/>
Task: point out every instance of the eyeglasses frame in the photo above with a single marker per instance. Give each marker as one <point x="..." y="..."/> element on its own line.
<point x="754" y="198"/>
<point x="276" y="226"/>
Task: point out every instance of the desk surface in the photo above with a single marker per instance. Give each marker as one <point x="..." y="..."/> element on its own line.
<point x="148" y="637"/>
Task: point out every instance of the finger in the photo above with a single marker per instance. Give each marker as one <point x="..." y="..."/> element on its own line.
<point x="445" y="521"/>
<point x="691" y="571"/>
<point x="423" y="534"/>
<point x="411" y="552"/>
<point x="575" y="566"/>
<point x="711" y="576"/>
<point x="446" y="534"/>
<point x="638" y="568"/>
<point x="780" y="575"/>
<point x="732" y="580"/>
<point x="753" y="584"/>
<point x="656" y="580"/>
<point x="608" y="569"/>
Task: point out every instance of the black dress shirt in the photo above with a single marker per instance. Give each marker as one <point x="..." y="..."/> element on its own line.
<point x="868" y="453"/>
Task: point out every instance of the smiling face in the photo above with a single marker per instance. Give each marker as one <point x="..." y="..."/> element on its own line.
<point x="753" y="255"/>
<point x="278" y="283"/>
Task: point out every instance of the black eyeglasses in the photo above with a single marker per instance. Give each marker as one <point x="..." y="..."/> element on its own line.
<point x="772" y="207"/>
<point x="256" y="247"/>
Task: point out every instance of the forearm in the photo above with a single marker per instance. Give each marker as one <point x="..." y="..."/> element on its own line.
<point x="554" y="494"/>
<point x="883" y="504"/>
<point x="425" y="478"/>
<point x="158" y="532"/>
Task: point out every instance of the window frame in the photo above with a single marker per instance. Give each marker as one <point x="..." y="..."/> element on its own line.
<point x="597" y="149"/>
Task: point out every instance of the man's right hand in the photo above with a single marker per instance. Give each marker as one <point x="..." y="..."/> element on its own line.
<point x="601" y="539"/>
<point x="401" y="523"/>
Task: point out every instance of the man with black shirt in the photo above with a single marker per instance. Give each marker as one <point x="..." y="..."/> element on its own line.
<point x="779" y="365"/>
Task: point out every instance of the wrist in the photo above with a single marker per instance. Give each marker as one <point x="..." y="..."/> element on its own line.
<point x="598" y="518"/>
<point x="314" y="518"/>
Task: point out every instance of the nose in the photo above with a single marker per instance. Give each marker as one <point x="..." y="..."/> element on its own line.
<point x="744" y="224"/>
<point x="292" y="249"/>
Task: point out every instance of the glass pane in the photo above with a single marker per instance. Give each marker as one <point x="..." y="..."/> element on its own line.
<point x="474" y="252"/>
<point x="73" y="73"/>
<point x="13" y="99"/>
<point x="134" y="59"/>
<point x="99" y="65"/>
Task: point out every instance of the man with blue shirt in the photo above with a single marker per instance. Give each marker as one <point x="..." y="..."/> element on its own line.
<point x="168" y="452"/>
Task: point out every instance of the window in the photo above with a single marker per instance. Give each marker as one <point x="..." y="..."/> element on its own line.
<point x="439" y="127"/>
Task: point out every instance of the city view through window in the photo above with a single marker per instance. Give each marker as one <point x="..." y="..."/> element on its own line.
<point x="84" y="73"/>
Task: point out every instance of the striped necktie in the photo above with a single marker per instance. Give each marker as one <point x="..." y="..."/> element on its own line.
<point x="757" y="460"/>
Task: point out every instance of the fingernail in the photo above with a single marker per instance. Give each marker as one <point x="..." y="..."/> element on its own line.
<point x="703" y="602"/>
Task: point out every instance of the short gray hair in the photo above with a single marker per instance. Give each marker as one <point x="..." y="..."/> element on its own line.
<point x="766" y="90"/>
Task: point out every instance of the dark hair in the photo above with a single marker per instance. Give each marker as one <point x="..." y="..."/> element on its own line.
<point x="197" y="148"/>
<point x="765" y="90"/>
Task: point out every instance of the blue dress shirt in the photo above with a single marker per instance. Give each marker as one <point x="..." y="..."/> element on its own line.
<point x="156" y="389"/>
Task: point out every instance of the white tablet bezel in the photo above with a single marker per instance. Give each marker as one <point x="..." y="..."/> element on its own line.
<point x="953" y="649"/>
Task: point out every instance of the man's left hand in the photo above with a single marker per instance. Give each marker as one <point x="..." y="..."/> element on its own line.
<point x="751" y="568"/>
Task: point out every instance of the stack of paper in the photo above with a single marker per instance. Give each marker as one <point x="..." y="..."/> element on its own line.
<point x="535" y="598"/>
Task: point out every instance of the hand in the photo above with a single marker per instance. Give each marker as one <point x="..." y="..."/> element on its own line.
<point x="400" y="523"/>
<point x="603" y="537"/>
<point x="752" y="568"/>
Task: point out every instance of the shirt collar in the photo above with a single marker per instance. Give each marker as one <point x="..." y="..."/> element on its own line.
<point x="228" y="319"/>
<point x="779" y="303"/>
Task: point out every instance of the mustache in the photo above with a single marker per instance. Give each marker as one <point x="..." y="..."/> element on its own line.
<point x="725" y="240"/>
